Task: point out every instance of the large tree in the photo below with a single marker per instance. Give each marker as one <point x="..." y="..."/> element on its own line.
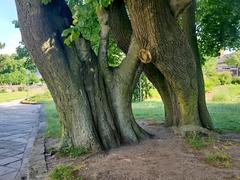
<point x="94" y="99"/>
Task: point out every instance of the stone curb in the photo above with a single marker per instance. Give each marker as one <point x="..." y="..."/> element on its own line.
<point x="37" y="169"/>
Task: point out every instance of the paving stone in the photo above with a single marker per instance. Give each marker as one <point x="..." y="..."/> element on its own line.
<point x="5" y="170"/>
<point x="18" y="126"/>
<point x="9" y="176"/>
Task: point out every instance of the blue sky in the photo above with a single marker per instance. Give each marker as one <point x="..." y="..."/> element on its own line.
<point x="8" y="33"/>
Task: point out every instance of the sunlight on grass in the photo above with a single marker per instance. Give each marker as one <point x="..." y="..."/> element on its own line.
<point x="226" y="116"/>
<point x="9" y="96"/>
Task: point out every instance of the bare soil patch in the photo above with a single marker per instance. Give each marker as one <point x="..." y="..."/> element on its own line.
<point x="166" y="157"/>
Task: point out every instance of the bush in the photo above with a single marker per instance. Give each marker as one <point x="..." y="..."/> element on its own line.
<point x="211" y="82"/>
<point x="32" y="79"/>
<point x="236" y="80"/>
<point x="224" y="77"/>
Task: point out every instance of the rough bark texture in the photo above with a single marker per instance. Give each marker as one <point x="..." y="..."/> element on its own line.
<point x="93" y="101"/>
<point x="189" y="28"/>
<point x="174" y="71"/>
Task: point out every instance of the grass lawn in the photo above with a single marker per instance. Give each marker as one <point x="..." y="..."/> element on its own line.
<point x="53" y="128"/>
<point x="226" y="116"/>
<point x="9" y="96"/>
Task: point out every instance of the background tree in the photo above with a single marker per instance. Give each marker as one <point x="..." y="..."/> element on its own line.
<point x="218" y="25"/>
<point x="23" y="54"/>
<point x="233" y="59"/>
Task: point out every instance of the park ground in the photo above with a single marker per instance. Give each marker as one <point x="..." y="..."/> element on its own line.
<point x="167" y="156"/>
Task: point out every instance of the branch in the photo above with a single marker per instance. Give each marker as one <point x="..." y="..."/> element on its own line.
<point x="120" y="24"/>
<point x="130" y="64"/>
<point x="178" y="6"/>
<point x="103" y="19"/>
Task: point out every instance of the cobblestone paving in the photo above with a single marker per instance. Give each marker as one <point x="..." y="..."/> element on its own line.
<point x="18" y="126"/>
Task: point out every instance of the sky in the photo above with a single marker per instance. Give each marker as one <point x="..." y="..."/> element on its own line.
<point x="8" y="33"/>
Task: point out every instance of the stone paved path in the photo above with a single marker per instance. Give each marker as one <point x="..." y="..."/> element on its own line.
<point x="18" y="126"/>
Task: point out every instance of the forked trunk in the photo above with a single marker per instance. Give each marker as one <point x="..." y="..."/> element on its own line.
<point x="93" y="102"/>
<point x="158" y="34"/>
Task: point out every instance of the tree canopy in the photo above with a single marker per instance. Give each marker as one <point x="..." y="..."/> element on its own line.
<point x="218" y="25"/>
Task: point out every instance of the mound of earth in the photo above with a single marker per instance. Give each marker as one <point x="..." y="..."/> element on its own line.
<point x="166" y="157"/>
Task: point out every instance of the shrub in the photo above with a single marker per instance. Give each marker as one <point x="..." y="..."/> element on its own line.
<point x="236" y="80"/>
<point x="211" y="82"/>
<point x="224" y="77"/>
<point x="32" y="79"/>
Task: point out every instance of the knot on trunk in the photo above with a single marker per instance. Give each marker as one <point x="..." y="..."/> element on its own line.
<point x="145" y="56"/>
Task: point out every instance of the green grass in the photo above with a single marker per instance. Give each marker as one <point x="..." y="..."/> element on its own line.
<point x="150" y="109"/>
<point x="219" y="158"/>
<point x="9" y="96"/>
<point x="226" y="116"/>
<point x="197" y="141"/>
<point x="73" y="151"/>
<point x="229" y="93"/>
<point x="53" y="128"/>
<point x="64" y="172"/>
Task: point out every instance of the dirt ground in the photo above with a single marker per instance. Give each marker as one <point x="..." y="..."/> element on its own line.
<point x="165" y="157"/>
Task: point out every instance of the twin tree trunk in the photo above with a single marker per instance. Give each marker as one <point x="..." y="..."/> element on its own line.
<point x="93" y="100"/>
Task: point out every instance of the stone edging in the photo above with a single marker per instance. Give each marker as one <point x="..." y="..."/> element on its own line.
<point x="37" y="169"/>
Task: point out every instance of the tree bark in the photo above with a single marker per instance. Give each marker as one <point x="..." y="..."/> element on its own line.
<point x="189" y="27"/>
<point x="156" y="31"/>
<point x="93" y="100"/>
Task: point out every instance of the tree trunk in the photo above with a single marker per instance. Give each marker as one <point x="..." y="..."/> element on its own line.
<point x="189" y="28"/>
<point x="158" y="34"/>
<point x="92" y="100"/>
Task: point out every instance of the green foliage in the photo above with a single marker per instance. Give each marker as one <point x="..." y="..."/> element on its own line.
<point x="45" y="2"/>
<point x="142" y="90"/>
<point x="219" y="158"/>
<point x="224" y="77"/>
<point x="85" y="23"/>
<point x="64" y="172"/>
<point x="233" y="59"/>
<point x="23" y="54"/>
<point x="218" y="25"/>
<point x="197" y="141"/>
<point x="32" y="79"/>
<point x="73" y="151"/>
<point x="235" y="80"/>
<point x="13" y="71"/>
<point x="210" y="75"/>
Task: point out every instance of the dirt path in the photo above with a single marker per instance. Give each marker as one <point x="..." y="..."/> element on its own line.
<point x="17" y="133"/>
<point x="167" y="157"/>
